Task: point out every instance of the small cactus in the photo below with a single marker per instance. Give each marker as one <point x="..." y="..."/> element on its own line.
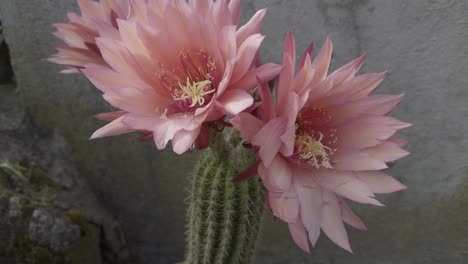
<point x="223" y="217"/>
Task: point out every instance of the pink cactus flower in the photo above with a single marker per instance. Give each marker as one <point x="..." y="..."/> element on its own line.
<point x="179" y="68"/>
<point x="323" y="139"/>
<point x="98" y="19"/>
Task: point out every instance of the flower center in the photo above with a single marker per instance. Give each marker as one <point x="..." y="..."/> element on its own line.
<point x="315" y="140"/>
<point x="312" y="150"/>
<point x="192" y="83"/>
<point x="194" y="91"/>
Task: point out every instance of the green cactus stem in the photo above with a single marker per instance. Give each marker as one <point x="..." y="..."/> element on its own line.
<point x="224" y="218"/>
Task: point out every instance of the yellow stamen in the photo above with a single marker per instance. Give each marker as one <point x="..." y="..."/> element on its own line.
<point x="164" y="115"/>
<point x="311" y="149"/>
<point x="195" y="91"/>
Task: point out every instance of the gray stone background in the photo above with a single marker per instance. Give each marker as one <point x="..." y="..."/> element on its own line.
<point x="424" y="44"/>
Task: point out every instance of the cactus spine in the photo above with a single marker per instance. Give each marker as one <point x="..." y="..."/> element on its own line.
<point x="223" y="217"/>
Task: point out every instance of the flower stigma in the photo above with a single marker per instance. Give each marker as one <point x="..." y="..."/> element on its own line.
<point x="195" y="91"/>
<point x="312" y="150"/>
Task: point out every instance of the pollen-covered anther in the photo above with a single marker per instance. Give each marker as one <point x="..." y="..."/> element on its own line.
<point x="195" y="91"/>
<point x="312" y="150"/>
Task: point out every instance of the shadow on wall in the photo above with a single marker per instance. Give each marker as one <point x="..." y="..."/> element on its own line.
<point x="11" y="104"/>
<point x="6" y="72"/>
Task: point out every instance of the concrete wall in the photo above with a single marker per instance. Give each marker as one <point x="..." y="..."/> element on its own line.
<point x="424" y="45"/>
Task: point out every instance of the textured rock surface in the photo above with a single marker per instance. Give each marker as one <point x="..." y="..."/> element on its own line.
<point x="47" y="213"/>
<point x="421" y="42"/>
<point x="47" y="218"/>
<point x="51" y="228"/>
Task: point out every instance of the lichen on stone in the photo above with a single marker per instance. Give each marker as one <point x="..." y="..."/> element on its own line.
<point x="37" y="229"/>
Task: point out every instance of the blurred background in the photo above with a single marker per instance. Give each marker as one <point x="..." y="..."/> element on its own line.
<point x="123" y="201"/>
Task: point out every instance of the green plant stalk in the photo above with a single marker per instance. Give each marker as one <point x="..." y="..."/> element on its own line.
<point x="224" y="218"/>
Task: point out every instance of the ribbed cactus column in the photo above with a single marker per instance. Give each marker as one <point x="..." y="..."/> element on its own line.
<point x="223" y="218"/>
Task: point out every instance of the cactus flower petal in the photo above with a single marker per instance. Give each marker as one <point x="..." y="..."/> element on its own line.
<point x="171" y="67"/>
<point x="323" y="139"/>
